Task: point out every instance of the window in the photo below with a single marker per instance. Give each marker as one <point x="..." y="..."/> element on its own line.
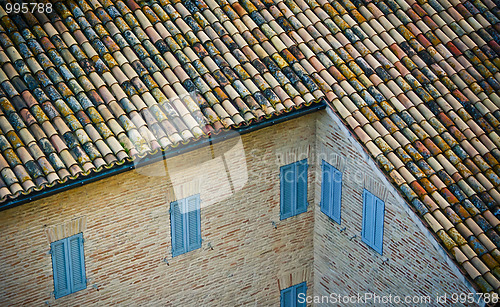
<point x="331" y="191"/>
<point x="290" y="297"/>
<point x="293" y="189"/>
<point x="68" y="265"/>
<point x="185" y="225"/>
<point x="373" y="221"/>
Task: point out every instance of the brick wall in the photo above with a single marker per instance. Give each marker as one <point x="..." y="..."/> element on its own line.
<point x="126" y="227"/>
<point x="245" y="258"/>
<point x="410" y="264"/>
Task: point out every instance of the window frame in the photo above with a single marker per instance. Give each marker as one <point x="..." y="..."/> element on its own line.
<point x="372" y="232"/>
<point x="298" y="186"/>
<point x="293" y="290"/>
<point x="71" y="285"/>
<point x="187" y="217"/>
<point x="332" y="206"/>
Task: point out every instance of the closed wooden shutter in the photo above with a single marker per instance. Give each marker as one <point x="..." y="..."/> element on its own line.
<point x="287" y="297"/>
<point x="300" y="289"/>
<point x="193" y="222"/>
<point x="177" y="228"/>
<point x="336" y="195"/>
<point x="68" y="265"/>
<point x="77" y="262"/>
<point x="373" y="221"/>
<point x="301" y="185"/>
<point x="326" y="189"/>
<point x="60" y="268"/>
<point x="379" y="225"/>
<point x="368" y="233"/>
<point x="287" y="190"/>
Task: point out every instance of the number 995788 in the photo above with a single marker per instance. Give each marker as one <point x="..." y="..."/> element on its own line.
<point x="34" y="7"/>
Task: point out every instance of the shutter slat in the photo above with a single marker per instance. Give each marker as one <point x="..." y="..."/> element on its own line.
<point x="287" y="187"/>
<point x="301" y="183"/>
<point x="193" y="214"/>
<point x="177" y="228"/>
<point x="60" y="268"/>
<point x="77" y="267"/>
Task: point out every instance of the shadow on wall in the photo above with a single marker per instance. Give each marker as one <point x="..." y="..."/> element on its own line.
<point x="222" y="164"/>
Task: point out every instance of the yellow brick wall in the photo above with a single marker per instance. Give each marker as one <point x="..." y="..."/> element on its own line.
<point x="244" y="259"/>
<point x="126" y="227"/>
<point x="410" y="264"/>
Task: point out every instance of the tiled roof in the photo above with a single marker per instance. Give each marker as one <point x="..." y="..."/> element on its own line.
<point x="96" y="83"/>
<point x="93" y="84"/>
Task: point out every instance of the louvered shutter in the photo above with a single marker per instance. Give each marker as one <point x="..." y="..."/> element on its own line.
<point x="177" y="228"/>
<point x="337" y="195"/>
<point x="193" y="222"/>
<point x="379" y="225"/>
<point x="287" y="297"/>
<point x="326" y="189"/>
<point x="368" y="218"/>
<point x="60" y="267"/>
<point x="300" y="289"/>
<point x="287" y="190"/>
<point x="77" y="267"/>
<point x="301" y="173"/>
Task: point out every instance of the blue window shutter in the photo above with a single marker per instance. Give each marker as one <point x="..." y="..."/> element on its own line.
<point x="287" y="190"/>
<point x="177" y="228"/>
<point x="368" y="218"/>
<point x="287" y="297"/>
<point x="331" y="192"/>
<point x="193" y="222"/>
<point x="300" y="288"/>
<point x="68" y="265"/>
<point x="379" y="225"/>
<point x="326" y="189"/>
<point x="301" y="173"/>
<point x="77" y="262"/>
<point x="337" y="195"/>
<point x="373" y="221"/>
<point x="60" y="267"/>
<point x="290" y="296"/>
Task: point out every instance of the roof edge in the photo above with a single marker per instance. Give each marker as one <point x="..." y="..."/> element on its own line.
<point x="161" y="155"/>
